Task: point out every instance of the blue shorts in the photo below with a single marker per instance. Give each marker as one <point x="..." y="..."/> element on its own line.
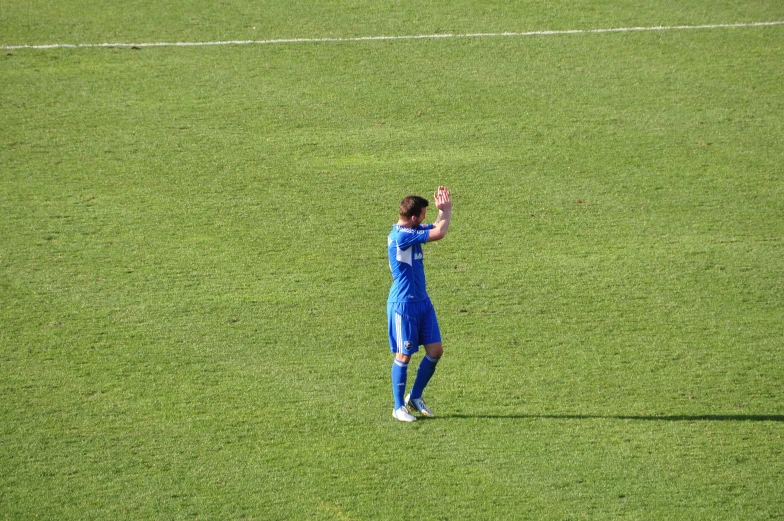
<point x="412" y="324"/>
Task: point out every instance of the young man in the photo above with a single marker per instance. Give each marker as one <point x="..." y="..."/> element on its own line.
<point x="412" y="319"/>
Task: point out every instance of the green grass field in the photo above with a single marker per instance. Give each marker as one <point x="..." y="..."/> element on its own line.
<point x="193" y="268"/>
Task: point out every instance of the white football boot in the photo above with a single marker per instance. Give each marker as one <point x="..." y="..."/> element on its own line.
<point x="419" y="405"/>
<point x="403" y="415"/>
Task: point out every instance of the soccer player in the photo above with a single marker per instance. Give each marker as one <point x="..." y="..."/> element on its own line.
<point x="412" y="319"/>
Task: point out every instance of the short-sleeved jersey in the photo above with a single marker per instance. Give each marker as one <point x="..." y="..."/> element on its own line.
<point x="406" y="261"/>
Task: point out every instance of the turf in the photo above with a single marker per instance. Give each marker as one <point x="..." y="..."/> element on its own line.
<point x="193" y="273"/>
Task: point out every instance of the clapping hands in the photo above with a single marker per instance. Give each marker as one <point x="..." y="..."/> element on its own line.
<point x="442" y="198"/>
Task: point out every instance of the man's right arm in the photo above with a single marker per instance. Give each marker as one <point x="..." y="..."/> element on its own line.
<point x="444" y="205"/>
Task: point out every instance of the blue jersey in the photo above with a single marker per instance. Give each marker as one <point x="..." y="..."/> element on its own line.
<point x="406" y="260"/>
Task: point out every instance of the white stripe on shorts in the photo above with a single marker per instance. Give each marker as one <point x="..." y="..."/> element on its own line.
<point x="399" y="332"/>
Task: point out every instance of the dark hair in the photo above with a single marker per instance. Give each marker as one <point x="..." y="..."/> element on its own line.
<point x="412" y="206"/>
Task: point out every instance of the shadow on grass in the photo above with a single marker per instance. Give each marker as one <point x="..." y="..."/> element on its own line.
<point x="673" y="418"/>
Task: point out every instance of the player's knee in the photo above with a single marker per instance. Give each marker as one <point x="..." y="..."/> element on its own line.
<point x="403" y="358"/>
<point x="435" y="350"/>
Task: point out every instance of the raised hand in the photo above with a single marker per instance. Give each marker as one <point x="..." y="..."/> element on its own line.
<point x="443" y="199"/>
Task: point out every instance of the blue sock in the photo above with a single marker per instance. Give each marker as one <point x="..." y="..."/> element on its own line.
<point x="399" y="376"/>
<point x="426" y="369"/>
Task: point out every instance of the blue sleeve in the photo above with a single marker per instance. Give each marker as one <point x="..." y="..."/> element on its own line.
<point x="407" y="239"/>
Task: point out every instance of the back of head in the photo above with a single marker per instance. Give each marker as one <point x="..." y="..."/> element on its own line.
<point x="412" y="206"/>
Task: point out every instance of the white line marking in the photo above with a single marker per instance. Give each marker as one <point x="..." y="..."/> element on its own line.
<point x="377" y="38"/>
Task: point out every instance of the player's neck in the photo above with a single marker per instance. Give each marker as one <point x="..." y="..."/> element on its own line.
<point x="406" y="224"/>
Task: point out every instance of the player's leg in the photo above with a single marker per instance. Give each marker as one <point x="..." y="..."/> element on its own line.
<point x="401" y="331"/>
<point x="434" y="349"/>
